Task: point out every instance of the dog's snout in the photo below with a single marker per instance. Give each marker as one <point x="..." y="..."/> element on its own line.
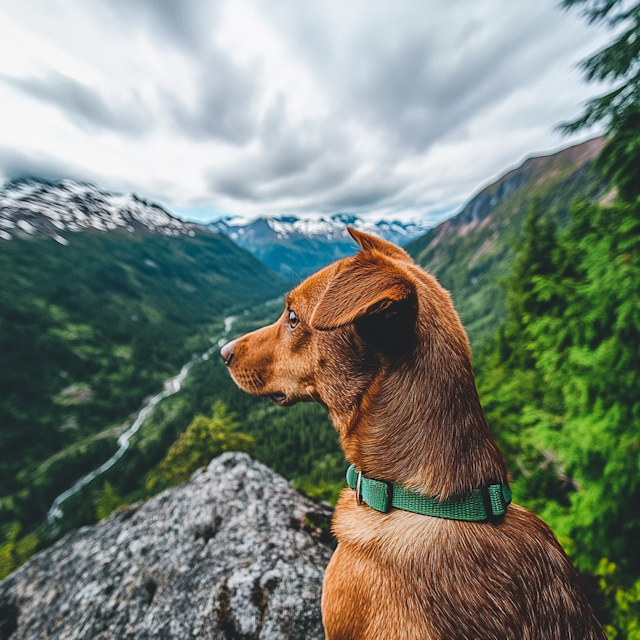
<point x="226" y="353"/>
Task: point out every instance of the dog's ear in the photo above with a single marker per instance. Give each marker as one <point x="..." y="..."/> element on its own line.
<point x="368" y="242"/>
<point x="366" y="285"/>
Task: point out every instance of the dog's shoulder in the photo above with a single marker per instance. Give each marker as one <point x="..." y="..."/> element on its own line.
<point x="401" y="536"/>
<point x="511" y="575"/>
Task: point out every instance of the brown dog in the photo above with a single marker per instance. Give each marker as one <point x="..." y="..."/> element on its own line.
<point x="376" y="340"/>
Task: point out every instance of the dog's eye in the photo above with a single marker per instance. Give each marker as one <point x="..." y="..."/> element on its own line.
<point x="293" y="319"/>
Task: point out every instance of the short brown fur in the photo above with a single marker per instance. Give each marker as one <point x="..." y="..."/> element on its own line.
<point x="379" y="344"/>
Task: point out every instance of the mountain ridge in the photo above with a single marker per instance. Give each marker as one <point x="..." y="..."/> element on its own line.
<point x="296" y="247"/>
<point x="290" y="245"/>
<point x="37" y="207"/>
<point x="470" y="252"/>
<point x="480" y="205"/>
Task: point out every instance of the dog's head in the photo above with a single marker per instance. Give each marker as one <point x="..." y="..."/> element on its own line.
<point x="341" y="327"/>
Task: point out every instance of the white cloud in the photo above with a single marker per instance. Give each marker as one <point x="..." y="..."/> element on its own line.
<point x="253" y="107"/>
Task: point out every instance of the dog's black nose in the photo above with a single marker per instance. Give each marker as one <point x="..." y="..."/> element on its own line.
<point x="226" y="353"/>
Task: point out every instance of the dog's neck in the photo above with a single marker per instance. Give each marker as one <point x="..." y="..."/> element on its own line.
<point x="420" y="424"/>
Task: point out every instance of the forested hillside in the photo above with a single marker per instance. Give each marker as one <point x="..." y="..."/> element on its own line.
<point x="299" y="442"/>
<point x="560" y="388"/>
<point x="471" y="252"/>
<point x="88" y="330"/>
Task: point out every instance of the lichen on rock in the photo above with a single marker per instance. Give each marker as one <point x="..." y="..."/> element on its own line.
<point x="234" y="553"/>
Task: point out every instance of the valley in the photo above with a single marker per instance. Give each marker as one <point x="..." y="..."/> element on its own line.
<point x="171" y="386"/>
<point x="91" y="326"/>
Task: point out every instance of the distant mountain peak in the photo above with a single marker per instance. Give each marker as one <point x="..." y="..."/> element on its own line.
<point x="34" y="207"/>
<point x="296" y="246"/>
<point x="344" y="218"/>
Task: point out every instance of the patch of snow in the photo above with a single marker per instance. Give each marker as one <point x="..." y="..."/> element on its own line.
<point x="26" y="226"/>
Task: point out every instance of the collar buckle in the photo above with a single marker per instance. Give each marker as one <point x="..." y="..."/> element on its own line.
<point x="359" y="489"/>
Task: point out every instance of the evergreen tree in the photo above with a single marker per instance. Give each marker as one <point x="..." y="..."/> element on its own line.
<point x="108" y="500"/>
<point x="619" y="109"/>
<point x="587" y="349"/>
<point x="534" y="259"/>
<point x="204" y="439"/>
<point x="561" y="392"/>
<point x="15" y="551"/>
<point x="508" y="380"/>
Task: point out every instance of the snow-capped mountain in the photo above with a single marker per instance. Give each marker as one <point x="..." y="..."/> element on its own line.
<point x="35" y="207"/>
<point x="295" y="247"/>
<point x="298" y="246"/>
<point x="333" y="228"/>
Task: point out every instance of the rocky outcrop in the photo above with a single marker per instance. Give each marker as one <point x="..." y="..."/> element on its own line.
<point x="234" y="553"/>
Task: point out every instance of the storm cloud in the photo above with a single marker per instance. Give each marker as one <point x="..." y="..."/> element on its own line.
<point x="224" y="106"/>
<point x="268" y="106"/>
<point x="19" y="166"/>
<point x="84" y="105"/>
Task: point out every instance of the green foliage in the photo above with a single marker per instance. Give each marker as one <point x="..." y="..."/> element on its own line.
<point x="618" y="61"/>
<point x="15" y="550"/>
<point x="47" y="480"/>
<point x="326" y="479"/>
<point x="619" y="109"/>
<point x="534" y="260"/>
<point x="106" y="501"/>
<point x="623" y="601"/>
<point x="620" y="159"/>
<point x="580" y="347"/>
<point x="204" y="439"/>
<point x="560" y="388"/>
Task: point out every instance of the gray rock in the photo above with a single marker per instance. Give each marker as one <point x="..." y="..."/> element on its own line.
<point x="234" y="553"/>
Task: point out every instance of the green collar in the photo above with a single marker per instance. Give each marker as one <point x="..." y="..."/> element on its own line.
<point x="481" y="504"/>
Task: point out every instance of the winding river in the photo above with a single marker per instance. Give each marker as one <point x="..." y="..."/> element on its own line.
<point x="171" y="386"/>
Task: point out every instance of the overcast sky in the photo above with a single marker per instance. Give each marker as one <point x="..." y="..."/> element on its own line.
<point x="395" y="108"/>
